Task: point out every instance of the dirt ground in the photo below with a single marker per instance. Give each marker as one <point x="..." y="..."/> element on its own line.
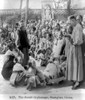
<point x="62" y="88"/>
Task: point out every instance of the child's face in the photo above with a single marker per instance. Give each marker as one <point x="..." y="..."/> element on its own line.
<point x="20" y="60"/>
<point x="57" y="62"/>
<point x="68" y="29"/>
<point x="59" y="36"/>
<point x="58" y="27"/>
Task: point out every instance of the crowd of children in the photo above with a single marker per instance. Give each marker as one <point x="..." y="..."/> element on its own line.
<point x="49" y="45"/>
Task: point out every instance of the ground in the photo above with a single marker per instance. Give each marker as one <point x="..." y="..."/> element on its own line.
<point x="63" y="88"/>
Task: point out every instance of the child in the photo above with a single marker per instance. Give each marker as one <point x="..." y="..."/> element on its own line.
<point x="36" y="78"/>
<point x="18" y="76"/>
<point x="9" y="57"/>
<point x="55" y="70"/>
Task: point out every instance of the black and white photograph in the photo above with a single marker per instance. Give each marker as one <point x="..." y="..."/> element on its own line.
<point x="42" y="49"/>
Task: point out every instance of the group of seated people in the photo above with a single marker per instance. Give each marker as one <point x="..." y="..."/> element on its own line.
<point x="30" y="75"/>
<point x="48" y="48"/>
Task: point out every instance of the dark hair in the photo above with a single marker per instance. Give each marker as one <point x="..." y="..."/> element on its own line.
<point x="34" y="28"/>
<point x="63" y="58"/>
<point x="72" y="17"/>
<point x="30" y="64"/>
<point x="80" y="16"/>
<point x="50" y="35"/>
<point x="22" y="20"/>
<point x="17" y="24"/>
<point x="11" y="45"/>
<point x="57" y="24"/>
<point x="40" y="51"/>
<point x="71" y="29"/>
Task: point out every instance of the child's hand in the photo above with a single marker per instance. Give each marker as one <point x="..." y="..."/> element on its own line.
<point x="74" y="44"/>
<point x="15" y="60"/>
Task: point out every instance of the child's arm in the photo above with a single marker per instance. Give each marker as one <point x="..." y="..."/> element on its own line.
<point x="20" y="53"/>
<point x="62" y="64"/>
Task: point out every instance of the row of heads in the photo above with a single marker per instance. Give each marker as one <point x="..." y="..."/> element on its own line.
<point x="71" y="18"/>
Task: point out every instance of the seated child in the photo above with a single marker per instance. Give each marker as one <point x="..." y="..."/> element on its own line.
<point x="46" y="57"/>
<point x="41" y="55"/>
<point x="43" y="44"/>
<point x="36" y="78"/>
<point x="32" y="50"/>
<point x="51" y="70"/>
<point x="55" y="69"/>
<point x="18" y="76"/>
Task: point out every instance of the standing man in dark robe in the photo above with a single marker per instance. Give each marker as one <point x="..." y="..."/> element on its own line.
<point x="23" y="43"/>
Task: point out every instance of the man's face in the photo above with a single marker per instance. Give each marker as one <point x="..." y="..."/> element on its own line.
<point x="22" y="23"/>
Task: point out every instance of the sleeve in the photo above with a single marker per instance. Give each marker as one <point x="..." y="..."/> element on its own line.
<point x="17" y="42"/>
<point x="27" y="40"/>
<point x="78" y="36"/>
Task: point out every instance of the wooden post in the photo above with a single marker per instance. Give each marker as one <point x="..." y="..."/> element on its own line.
<point x="26" y="12"/>
<point x="68" y="6"/>
<point x="21" y="8"/>
<point x="55" y="4"/>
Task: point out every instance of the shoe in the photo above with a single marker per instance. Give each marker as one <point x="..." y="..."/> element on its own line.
<point x="73" y="83"/>
<point x="75" y="86"/>
<point x="29" y="87"/>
